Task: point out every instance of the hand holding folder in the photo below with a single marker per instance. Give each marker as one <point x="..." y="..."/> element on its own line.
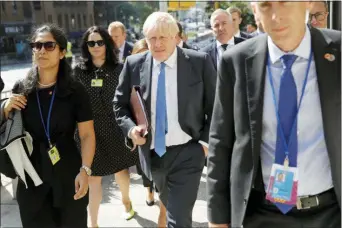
<point x="139" y="110"/>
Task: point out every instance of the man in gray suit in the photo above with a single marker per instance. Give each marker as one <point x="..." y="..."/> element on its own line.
<point x="277" y="107"/>
<point x="177" y="86"/>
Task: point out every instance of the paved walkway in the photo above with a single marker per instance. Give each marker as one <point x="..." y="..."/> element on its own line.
<point x="111" y="207"/>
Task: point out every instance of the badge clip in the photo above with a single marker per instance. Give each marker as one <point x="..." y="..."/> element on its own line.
<point x="286" y="162"/>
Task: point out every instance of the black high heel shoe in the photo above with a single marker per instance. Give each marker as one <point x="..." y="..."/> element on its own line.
<point x="150" y="203"/>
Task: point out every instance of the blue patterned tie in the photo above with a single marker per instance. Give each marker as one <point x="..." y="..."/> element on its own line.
<point x="161" y="114"/>
<point x="287" y="108"/>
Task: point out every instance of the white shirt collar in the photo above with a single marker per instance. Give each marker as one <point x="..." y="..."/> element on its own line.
<point x="303" y="50"/>
<point x="230" y="42"/>
<point x="238" y="34"/>
<point x="122" y="48"/>
<point x="170" y="62"/>
<point x="180" y="44"/>
<point x="259" y="32"/>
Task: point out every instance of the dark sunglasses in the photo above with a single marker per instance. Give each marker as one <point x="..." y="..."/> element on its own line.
<point x="48" y="46"/>
<point x="92" y="43"/>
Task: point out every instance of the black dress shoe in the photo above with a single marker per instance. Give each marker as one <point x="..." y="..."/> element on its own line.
<point x="150" y="203"/>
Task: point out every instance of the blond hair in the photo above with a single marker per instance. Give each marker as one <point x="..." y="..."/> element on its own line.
<point x="139" y="46"/>
<point x="234" y="9"/>
<point x="117" y="24"/>
<point x="162" y="22"/>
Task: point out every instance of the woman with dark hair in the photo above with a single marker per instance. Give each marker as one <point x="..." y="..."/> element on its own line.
<point x="99" y="71"/>
<point x="52" y="104"/>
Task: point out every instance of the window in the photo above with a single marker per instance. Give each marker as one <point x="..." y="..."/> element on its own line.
<point x="14" y="6"/>
<point x="66" y="20"/>
<point x="79" y="22"/>
<point x="3" y="5"/>
<point x="60" y="20"/>
<point x="37" y="5"/>
<point x="72" y="21"/>
<point x="91" y="23"/>
<point x="50" y="18"/>
<point x="85" y="20"/>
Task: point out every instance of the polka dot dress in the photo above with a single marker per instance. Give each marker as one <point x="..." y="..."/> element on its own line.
<point x="111" y="154"/>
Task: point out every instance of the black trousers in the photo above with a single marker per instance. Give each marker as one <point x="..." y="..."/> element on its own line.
<point x="177" y="176"/>
<point x="37" y="210"/>
<point x="260" y="215"/>
<point x="146" y="181"/>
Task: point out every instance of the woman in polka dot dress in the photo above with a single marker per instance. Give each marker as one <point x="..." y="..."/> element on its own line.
<point x="99" y="72"/>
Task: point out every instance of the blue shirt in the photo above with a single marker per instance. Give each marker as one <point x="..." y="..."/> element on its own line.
<point x="314" y="171"/>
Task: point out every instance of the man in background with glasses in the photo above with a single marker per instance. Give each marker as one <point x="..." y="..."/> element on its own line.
<point x="318" y="16"/>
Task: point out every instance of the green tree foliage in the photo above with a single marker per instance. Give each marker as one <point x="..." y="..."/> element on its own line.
<point x="247" y="13"/>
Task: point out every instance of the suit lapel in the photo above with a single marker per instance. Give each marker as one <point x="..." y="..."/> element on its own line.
<point x="126" y="51"/>
<point x="145" y="82"/>
<point x="255" y="80"/>
<point x="328" y="77"/>
<point x="184" y="79"/>
<point x="213" y="54"/>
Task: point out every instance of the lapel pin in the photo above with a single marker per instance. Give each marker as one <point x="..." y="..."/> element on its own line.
<point x="329" y="57"/>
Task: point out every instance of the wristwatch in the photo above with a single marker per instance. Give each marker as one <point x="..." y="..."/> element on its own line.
<point x="86" y="169"/>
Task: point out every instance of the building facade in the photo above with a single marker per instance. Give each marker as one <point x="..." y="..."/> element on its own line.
<point x="18" y="18"/>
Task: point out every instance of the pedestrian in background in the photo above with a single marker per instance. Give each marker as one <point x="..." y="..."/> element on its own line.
<point x="99" y="71"/>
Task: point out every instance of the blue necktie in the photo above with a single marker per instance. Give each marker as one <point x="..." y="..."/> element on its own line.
<point x="287" y="108"/>
<point x="161" y="114"/>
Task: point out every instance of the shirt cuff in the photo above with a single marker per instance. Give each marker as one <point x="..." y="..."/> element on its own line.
<point x="204" y="144"/>
<point x="129" y="133"/>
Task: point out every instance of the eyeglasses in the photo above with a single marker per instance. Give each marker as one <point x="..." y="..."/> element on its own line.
<point x="319" y="16"/>
<point x="48" y="46"/>
<point x="92" y="43"/>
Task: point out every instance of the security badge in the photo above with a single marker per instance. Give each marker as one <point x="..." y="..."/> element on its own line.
<point x="96" y="83"/>
<point x="54" y="154"/>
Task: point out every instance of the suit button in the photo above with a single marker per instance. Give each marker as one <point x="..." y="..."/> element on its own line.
<point x="245" y="201"/>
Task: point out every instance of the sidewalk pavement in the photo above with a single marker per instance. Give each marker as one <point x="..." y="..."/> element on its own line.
<point x="111" y="208"/>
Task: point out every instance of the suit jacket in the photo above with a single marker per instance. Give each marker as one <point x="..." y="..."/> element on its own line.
<point x="128" y="49"/>
<point x="236" y="128"/>
<point x="186" y="46"/>
<point x="196" y="78"/>
<point x="212" y="50"/>
<point x="2" y="84"/>
<point x="245" y="35"/>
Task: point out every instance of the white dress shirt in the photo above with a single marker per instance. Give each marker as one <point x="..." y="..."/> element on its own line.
<point x="175" y="135"/>
<point x="180" y="44"/>
<point x="313" y="165"/>
<point x="238" y="34"/>
<point x="122" y="49"/>
<point x="220" y="50"/>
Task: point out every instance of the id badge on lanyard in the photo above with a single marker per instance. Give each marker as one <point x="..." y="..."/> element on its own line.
<point x="283" y="183"/>
<point x="52" y="151"/>
<point x="97" y="82"/>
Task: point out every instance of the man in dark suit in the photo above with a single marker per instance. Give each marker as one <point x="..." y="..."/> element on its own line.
<point x="255" y="126"/>
<point x="177" y="86"/>
<point x="117" y="31"/>
<point x="222" y="26"/>
<point x="237" y="19"/>
<point x="179" y="38"/>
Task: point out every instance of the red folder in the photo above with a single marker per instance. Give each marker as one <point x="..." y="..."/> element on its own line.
<point x="139" y="110"/>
